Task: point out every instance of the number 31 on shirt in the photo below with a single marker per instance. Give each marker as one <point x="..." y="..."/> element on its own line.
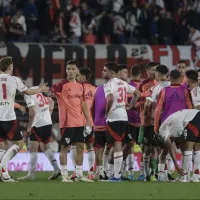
<point x="122" y="95"/>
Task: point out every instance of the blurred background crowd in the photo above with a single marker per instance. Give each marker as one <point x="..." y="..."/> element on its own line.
<point x="99" y="21"/>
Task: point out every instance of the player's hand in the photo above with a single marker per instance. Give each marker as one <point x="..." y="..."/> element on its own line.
<point x="180" y="170"/>
<point x="88" y="124"/>
<point x="128" y="108"/>
<point x="22" y="110"/>
<point x="44" y="87"/>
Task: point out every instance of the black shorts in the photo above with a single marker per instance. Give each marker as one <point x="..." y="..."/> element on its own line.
<point x="90" y="138"/>
<point x="116" y="131"/>
<point x="132" y="134"/>
<point x="191" y="131"/>
<point x="100" y="139"/>
<point x="72" y="135"/>
<point x="8" y="131"/>
<point x="148" y="135"/>
<point x="41" y="134"/>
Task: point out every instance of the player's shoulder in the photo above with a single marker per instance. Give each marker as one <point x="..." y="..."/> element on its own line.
<point x="61" y="82"/>
<point x="195" y="91"/>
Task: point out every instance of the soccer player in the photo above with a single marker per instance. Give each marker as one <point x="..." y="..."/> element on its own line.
<point x="182" y="126"/>
<point x="116" y="116"/>
<point x="171" y="99"/>
<point x="192" y="81"/>
<point x="39" y="128"/>
<point x="84" y="77"/>
<point x="102" y="150"/>
<point x="181" y="66"/>
<point x="144" y="88"/>
<point x="133" y="120"/>
<point x="129" y="139"/>
<point x="149" y="108"/>
<point x="9" y="85"/>
<point x="70" y="94"/>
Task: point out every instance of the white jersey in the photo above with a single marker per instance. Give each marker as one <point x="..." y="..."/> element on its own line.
<point x="119" y="89"/>
<point x="8" y="86"/>
<point x="174" y="125"/>
<point x="195" y="93"/>
<point x="41" y="105"/>
<point x="156" y="91"/>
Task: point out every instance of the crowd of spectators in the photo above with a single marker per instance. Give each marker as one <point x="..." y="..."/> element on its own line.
<point x="99" y="21"/>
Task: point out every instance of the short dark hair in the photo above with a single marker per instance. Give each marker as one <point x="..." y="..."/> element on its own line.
<point x="193" y="75"/>
<point x="112" y="66"/>
<point x="122" y="66"/>
<point x="5" y="62"/>
<point x="162" y="69"/>
<point x="151" y="64"/>
<point x="175" y="74"/>
<point x="86" y="72"/>
<point x="73" y="62"/>
<point x="198" y="70"/>
<point x="136" y="70"/>
<point x="182" y="62"/>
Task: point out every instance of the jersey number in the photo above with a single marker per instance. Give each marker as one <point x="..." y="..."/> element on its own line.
<point x="4" y="91"/>
<point x="122" y="95"/>
<point x="43" y="100"/>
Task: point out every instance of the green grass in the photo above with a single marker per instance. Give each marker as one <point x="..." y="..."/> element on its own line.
<point x="41" y="188"/>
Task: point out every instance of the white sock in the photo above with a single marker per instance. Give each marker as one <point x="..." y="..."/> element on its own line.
<point x="100" y="170"/>
<point x="141" y="168"/>
<point x="64" y="171"/>
<point x="170" y="165"/>
<point x="187" y="158"/>
<point x="130" y="164"/>
<point x="79" y="171"/>
<point x="12" y="151"/>
<point x="166" y="170"/>
<point x="91" y="160"/>
<point x="2" y="153"/>
<point x="161" y="170"/>
<point x="110" y="170"/>
<point x="73" y="156"/>
<point x="32" y="163"/>
<point x="105" y="161"/>
<point x="123" y="168"/>
<point x="146" y="161"/>
<point x="50" y="155"/>
<point x="196" y="171"/>
<point x="118" y="158"/>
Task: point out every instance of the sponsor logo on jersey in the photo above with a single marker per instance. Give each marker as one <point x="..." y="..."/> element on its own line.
<point x="75" y="96"/>
<point x="3" y="79"/>
<point x="4" y="103"/>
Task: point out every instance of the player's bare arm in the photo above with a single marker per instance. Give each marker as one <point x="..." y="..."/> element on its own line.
<point x="110" y="100"/>
<point x="85" y="112"/>
<point x="51" y="104"/>
<point x="42" y="88"/>
<point x="136" y="96"/>
<point x="31" y="118"/>
<point x="21" y="108"/>
<point x="172" y="152"/>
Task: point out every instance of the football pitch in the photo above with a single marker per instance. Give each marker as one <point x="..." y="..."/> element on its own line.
<point x="41" y="188"/>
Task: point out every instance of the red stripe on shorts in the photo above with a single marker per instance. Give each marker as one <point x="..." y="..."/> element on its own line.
<point x="194" y="129"/>
<point x="12" y="130"/>
<point x="113" y="134"/>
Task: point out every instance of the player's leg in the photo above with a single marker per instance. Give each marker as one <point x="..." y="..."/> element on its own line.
<point x="106" y="153"/>
<point x="162" y="176"/>
<point x="73" y="157"/>
<point x="89" y="140"/>
<point x="9" y="128"/>
<point x="51" y="157"/>
<point x="116" y="133"/>
<point x="45" y="135"/>
<point x="141" y="143"/>
<point x="196" y="162"/>
<point x="147" y="152"/>
<point x="110" y="171"/>
<point x="78" y="139"/>
<point x="66" y="141"/>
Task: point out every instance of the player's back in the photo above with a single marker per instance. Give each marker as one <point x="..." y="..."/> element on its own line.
<point x="8" y="87"/>
<point x="89" y="92"/>
<point x="41" y="106"/>
<point x="99" y="108"/>
<point x="175" y="100"/>
<point x="133" y="115"/>
<point x="119" y="90"/>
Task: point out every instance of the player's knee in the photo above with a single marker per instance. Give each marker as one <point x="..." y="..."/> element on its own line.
<point x="79" y="147"/>
<point x="20" y="144"/>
